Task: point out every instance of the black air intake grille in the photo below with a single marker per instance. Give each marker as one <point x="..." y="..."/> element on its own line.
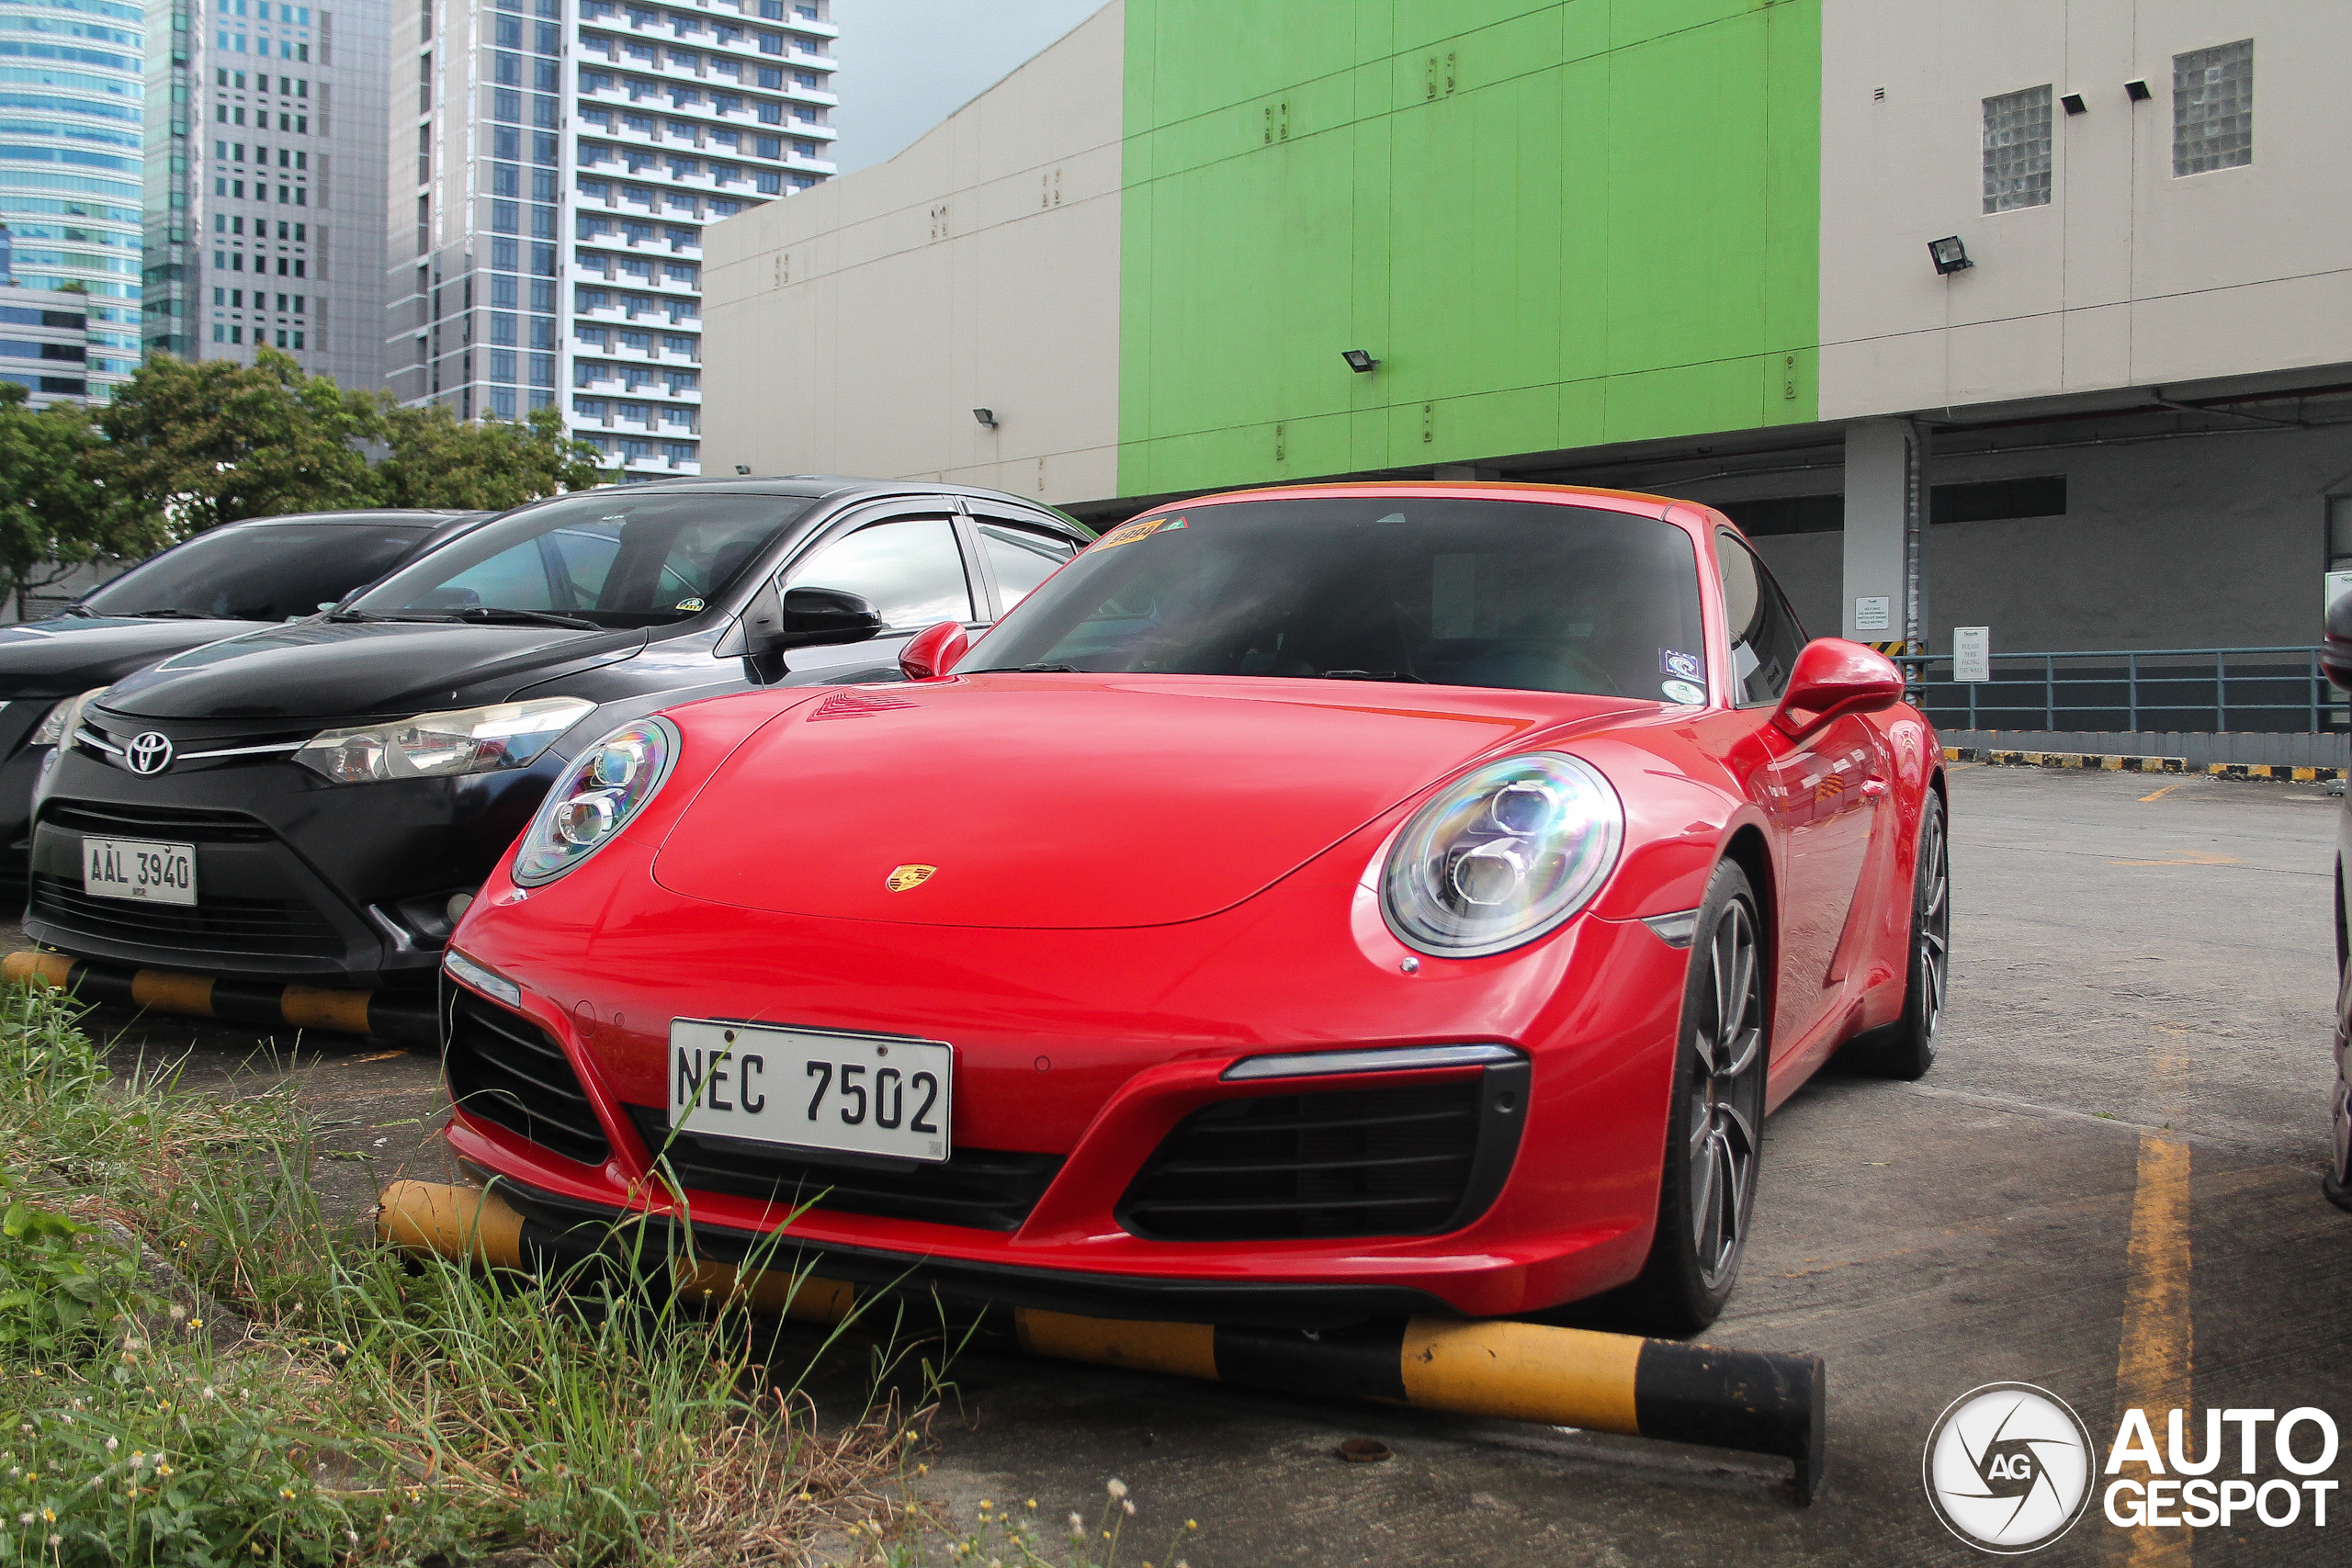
<point x="1401" y="1161"/>
<point x="505" y="1069"/>
<point x="267" y="927"/>
<point x="189" y="825"/>
<point x="990" y="1189"/>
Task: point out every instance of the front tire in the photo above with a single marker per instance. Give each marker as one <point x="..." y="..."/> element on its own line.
<point x="1716" y="1121"/>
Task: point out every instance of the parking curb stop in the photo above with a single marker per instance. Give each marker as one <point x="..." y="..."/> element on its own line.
<point x="2276" y="772"/>
<point x="258" y="1004"/>
<point x="1755" y="1402"/>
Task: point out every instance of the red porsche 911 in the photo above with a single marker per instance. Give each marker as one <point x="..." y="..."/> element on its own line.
<point x="1308" y="903"/>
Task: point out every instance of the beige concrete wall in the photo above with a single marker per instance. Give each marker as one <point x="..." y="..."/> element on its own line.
<point x="2130" y="276"/>
<point x="853" y="328"/>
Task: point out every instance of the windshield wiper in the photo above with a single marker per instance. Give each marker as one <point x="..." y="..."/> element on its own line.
<point x="177" y="615"/>
<point x="375" y="616"/>
<point x="79" y="610"/>
<point x="489" y="612"/>
<point x="1368" y="675"/>
<point x="1041" y="670"/>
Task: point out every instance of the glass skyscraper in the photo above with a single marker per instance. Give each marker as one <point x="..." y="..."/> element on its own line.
<point x="72" y="103"/>
<point x="553" y="164"/>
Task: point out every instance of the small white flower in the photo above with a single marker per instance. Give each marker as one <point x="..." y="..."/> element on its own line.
<point x="1117" y="1488"/>
<point x="25" y="1518"/>
<point x="1126" y="1507"/>
<point x="1077" y="1525"/>
<point x="178" y="1312"/>
<point x="113" y="1443"/>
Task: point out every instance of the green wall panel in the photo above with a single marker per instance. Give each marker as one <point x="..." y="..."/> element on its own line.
<point x="1556" y="224"/>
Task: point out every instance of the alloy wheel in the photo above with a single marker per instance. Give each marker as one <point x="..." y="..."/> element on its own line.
<point x="1726" y="1103"/>
<point x="1931" y="964"/>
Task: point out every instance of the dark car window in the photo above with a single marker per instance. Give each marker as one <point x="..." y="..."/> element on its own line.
<point x="270" y="572"/>
<point x="1022" y="558"/>
<point x="909" y="568"/>
<point x="1765" y="636"/>
<point x="1463" y="592"/>
<point x="608" y="556"/>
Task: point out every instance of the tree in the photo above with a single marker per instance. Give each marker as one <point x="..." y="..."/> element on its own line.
<point x="199" y="444"/>
<point x="55" y="515"/>
<point x="437" y="461"/>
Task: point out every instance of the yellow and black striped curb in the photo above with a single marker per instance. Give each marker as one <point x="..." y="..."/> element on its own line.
<point x="1894" y="649"/>
<point x="1749" y="1400"/>
<point x="258" y="1004"/>
<point x="2065" y="760"/>
<point x="2277" y="772"/>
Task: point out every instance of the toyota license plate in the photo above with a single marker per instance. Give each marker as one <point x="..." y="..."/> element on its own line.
<point x="810" y="1090"/>
<point x="139" y="868"/>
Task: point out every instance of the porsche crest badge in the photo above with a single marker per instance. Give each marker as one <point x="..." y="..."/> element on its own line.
<point x="907" y="877"/>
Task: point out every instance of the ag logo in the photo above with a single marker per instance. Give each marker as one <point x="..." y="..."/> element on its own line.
<point x="2008" y="1468"/>
<point x="907" y="877"/>
<point x="148" y="753"/>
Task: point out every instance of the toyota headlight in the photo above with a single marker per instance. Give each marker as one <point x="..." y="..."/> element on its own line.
<point x="57" y="726"/>
<point x="596" y="798"/>
<point x="1504" y="855"/>
<point x="437" y="745"/>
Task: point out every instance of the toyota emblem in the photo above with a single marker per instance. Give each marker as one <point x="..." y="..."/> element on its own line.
<point x="149" y="753"/>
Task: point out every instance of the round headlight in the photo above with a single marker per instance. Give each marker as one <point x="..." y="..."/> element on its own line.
<point x="1504" y="855"/>
<point x="595" y="799"/>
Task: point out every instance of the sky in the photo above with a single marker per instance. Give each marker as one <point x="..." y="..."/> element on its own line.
<point x="908" y="64"/>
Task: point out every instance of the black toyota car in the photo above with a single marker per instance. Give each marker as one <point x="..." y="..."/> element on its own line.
<point x="317" y="802"/>
<point x="217" y="584"/>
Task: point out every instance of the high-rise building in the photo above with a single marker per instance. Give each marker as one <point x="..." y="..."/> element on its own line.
<point x="265" y="192"/>
<point x="553" y="164"/>
<point x="70" y="94"/>
<point x="44" y="341"/>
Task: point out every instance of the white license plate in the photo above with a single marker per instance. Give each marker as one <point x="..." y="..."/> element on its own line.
<point x="139" y="868"/>
<point x="805" y="1089"/>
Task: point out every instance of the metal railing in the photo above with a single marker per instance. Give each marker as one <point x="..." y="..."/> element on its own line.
<point x="2264" y="690"/>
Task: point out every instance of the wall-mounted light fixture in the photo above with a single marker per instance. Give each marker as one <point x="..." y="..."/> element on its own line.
<point x="742" y="467"/>
<point x="2073" y="104"/>
<point x="987" y="418"/>
<point x="1359" y="361"/>
<point x="2136" y="91"/>
<point x="1949" y="255"/>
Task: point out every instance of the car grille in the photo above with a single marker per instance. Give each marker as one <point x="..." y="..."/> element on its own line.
<point x="264" y="925"/>
<point x="1338" y="1163"/>
<point x="186" y="824"/>
<point x="506" y="1069"/>
<point x="990" y="1189"/>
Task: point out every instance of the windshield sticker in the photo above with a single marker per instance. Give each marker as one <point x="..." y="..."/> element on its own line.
<point x="1143" y="528"/>
<point x="688" y="604"/>
<point x="1682" y="691"/>
<point x="1683" y="666"/>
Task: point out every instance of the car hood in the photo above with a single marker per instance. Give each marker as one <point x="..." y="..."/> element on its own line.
<point x="58" y="657"/>
<point x="320" y="669"/>
<point x="1071" y="801"/>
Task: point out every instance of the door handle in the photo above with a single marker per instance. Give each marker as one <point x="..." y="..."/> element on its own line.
<point x="1873" y="788"/>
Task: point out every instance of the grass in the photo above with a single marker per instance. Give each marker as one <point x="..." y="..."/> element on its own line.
<point x="347" y="1408"/>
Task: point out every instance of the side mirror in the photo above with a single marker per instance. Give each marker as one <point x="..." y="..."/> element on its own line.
<point x="2335" y="652"/>
<point x="933" y="651"/>
<point x="1834" y="678"/>
<point x="808" y="617"/>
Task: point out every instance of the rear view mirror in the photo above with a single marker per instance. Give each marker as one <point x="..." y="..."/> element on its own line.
<point x="819" y="617"/>
<point x="933" y="651"/>
<point x="1834" y="678"/>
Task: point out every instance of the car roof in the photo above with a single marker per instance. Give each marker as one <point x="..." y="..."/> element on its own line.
<point x="368" y="518"/>
<point x="1497" y="490"/>
<point x="821" y="487"/>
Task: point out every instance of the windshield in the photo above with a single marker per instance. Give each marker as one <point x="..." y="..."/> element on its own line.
<point x="605" y="559"/>
<point x="1518" y="594"/>
<point x="269" y="573"/>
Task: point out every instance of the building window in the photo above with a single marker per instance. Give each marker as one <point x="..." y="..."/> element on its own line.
<point x="2212" y="108"/>
<point x="2017" y="149"/>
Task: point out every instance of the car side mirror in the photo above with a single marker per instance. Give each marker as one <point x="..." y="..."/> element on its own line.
<point x="808" y="617"/>
<point x="933" y="651"/>
<point x="1834" y="678"/>
<point x="2335" y="652"/>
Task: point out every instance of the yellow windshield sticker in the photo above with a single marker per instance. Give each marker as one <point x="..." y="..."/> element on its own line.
<point x="1141" y="528"/>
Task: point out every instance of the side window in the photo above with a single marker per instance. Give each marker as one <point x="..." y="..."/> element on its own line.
<point x="584" y="556"/>
<point x="909" y="568"/>
<point x="1765" y="636"/>
<point x="1021" y="556"/>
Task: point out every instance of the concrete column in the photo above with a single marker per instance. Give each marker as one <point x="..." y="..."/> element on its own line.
<point x="1886" y="522"/>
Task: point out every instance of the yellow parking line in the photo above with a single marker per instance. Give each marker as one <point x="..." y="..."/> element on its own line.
<point x="2152" y="1365"/>
<point x="2159" y="794"/>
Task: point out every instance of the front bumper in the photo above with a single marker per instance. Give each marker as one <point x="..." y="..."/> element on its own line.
<point x="1094" y="1046"/>
<point x="297" y="879"/>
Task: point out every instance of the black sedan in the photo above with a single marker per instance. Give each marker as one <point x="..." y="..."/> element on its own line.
<point x="318" y="801"/>
<point x="218" y="584"/>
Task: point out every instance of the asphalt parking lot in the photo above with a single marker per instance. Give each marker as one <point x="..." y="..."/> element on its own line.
<point x="2107" y="1188"/>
